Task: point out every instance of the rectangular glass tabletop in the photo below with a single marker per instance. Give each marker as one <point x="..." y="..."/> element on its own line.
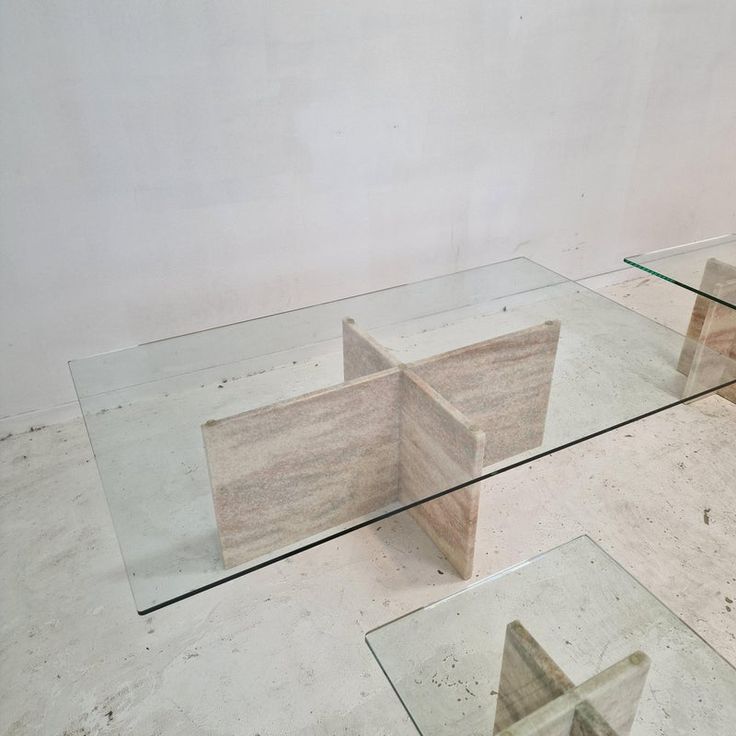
<point x="588" y="615"/>
<point x="699" y="267"/>
<point x="229" y="449"/>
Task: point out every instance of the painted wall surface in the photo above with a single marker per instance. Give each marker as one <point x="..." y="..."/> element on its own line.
<point x="170" y="166"/>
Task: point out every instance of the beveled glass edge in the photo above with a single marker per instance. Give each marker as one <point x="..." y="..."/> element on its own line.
<point x="406" y="507"/>
<point x="640" y="260"/>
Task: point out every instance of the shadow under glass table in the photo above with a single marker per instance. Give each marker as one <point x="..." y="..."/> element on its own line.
<point x="465" y="664"/>
<point x="229" y="449"/>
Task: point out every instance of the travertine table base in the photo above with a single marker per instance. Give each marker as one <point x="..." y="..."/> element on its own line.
<point x="392" y="432"/>
<point x="536" y="698"/>
<point x="712" y="331"/>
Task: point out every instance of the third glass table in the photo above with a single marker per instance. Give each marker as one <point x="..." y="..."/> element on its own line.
<point x="566" y="638"/>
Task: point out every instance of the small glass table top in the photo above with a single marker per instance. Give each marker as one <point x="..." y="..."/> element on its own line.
<point x="232" y="448"/>
<point x="685" y="265"/>
<point x="588" y="613"/>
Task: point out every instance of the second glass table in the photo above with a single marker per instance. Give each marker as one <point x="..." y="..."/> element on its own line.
<point x="567" y="637"/>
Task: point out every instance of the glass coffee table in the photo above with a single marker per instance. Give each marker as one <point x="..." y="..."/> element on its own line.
<point x="233" y="448"/>
<point x="472" y="660"/>
<point x="708" y="270"/>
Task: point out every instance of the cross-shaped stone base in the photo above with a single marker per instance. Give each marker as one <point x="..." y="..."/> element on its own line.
<point x="390" y="435"/>
<point x="536" y="698"/>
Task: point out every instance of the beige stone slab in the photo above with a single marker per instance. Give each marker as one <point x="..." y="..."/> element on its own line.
<point x="284" y="472"/>
<point x="363" y="354"/>
<point x="502" y="385"/>
<point x="440" y="449"/>
<point x="716" y="272"/>
<point x="530" y="679"/>
<point x="717" y="339"/>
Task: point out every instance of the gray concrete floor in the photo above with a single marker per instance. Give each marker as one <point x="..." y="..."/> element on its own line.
<point x="281" y="651"/>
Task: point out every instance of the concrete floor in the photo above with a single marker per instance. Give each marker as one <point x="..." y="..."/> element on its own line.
<point x="281" y="651"/>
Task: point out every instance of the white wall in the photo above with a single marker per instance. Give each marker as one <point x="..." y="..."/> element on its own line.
<point x="169" y="166"/>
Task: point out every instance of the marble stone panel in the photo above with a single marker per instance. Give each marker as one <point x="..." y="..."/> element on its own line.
<point x="440" y="449"/>
<point x="501" y="385"/>
<point x="286" y="471"/>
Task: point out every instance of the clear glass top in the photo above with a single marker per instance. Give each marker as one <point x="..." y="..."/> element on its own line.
<point x="229" y="449"/>
<point x="701" y="267"/>
<point x="587" y="613"/>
